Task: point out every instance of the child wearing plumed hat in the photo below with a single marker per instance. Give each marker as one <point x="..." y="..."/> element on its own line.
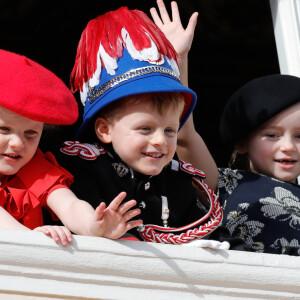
<point x="31" y="96"/>
<point x="134" y="104"/>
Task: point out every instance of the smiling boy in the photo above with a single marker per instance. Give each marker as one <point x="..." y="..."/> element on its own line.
<point x="144" y="137"/>
<point x="134" y="106"/>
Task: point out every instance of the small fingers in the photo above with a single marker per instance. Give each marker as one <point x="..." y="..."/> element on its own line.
<point x="190" y="29"/>
<point x="99" y="211"/>
<point x="67" y="234"/>
<point x="60" y="234"/>
<point x="42" y="229"/>
<point x="114" y="205"/>
<point x="126" y="206"/>
<point x="54" y="234"/>
<point x="156" y="17"/>
<point x="131" y="214"/>
<point x="133" y="224"/>
<point x="163" y="11"/>
<point x="175" y="12"/>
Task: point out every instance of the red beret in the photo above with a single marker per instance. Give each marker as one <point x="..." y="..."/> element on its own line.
<point x="34" y="92"/>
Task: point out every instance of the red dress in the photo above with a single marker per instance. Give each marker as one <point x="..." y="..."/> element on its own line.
<point x="24" y="194"/>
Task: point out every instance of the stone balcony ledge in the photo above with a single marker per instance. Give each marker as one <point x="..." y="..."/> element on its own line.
<point x="33" y="266"/>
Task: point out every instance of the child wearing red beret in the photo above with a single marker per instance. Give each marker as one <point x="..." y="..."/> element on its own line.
<point x="31" y="96"/>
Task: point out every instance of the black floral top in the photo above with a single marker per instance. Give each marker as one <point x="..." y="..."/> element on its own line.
<point x="265" y="212"/>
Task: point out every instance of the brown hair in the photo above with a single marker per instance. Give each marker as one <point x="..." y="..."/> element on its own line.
<point x="160" y="101"/>
<point x="239" y="161"/>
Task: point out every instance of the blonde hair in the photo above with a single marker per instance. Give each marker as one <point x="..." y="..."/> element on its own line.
<point x="161" y="101"/>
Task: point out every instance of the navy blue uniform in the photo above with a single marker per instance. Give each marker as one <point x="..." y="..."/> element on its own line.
<point x="100" y="175"/>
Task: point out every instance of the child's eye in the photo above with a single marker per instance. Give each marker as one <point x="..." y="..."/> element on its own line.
<point x="170" y="130"/>
<point x="145" y="128"/>
<point x="30" y="133"/>
<point x="297" y="136"/>
<point x="4" y="129"/>
<point x="272" y="135"/>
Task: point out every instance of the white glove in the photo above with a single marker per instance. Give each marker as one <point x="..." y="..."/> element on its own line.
<point x="199" y="243"/>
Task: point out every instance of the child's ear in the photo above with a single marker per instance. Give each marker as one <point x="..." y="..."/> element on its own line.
<point x="241" y="146"/>
<point x="102" y="130"/>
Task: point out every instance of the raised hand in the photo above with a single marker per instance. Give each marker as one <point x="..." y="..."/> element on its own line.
<point x="112" y="222"/>
<point x="180" y="38"/>
<point x="59" y="233"/>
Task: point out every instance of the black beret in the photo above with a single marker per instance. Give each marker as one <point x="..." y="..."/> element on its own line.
<point x="255" y="103"/>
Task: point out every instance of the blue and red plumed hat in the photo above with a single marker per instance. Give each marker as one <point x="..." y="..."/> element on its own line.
<point x="34" y="92"/>
<point x="123" y="53"/>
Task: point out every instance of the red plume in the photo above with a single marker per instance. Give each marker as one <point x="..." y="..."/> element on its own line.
<point x="106" y="29"/>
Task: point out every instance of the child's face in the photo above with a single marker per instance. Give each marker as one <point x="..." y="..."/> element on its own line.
<point x="143" y="138"/>
<point x="274" y="148"/>
<point x="19" y="139"/>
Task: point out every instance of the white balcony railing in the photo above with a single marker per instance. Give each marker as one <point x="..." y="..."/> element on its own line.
<point x="33" y="266"/>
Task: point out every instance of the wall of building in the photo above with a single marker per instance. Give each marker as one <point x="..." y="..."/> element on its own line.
<point x="234" y="43"/>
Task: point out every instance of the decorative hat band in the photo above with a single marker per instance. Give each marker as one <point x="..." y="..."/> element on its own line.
<point x="97" y="92"/>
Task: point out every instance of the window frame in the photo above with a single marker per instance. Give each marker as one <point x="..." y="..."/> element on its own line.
<point x="285" y="17"/>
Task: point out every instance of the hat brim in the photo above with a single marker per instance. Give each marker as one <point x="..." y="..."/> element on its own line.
<point x="150" y="83"/>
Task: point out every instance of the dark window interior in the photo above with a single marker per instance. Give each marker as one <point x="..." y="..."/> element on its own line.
<point x="234" y="43"/>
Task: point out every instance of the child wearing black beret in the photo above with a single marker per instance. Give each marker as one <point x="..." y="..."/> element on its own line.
<point x="260" y="192"/>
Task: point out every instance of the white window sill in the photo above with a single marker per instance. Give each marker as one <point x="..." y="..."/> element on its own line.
<point x="33" y="266"/>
